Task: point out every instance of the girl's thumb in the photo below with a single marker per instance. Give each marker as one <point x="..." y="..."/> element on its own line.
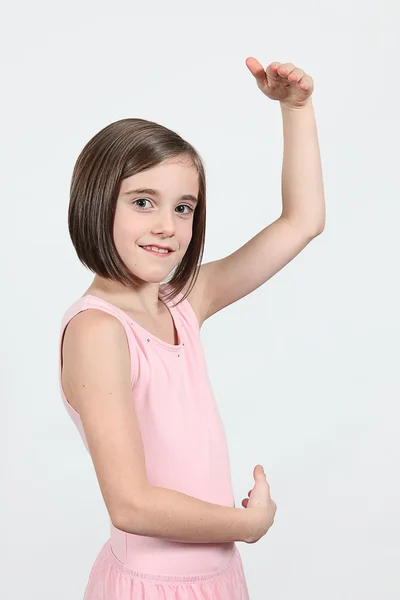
<point x="258" y="471"/>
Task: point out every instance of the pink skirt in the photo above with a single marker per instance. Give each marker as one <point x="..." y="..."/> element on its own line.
<point x="109" y="579"/>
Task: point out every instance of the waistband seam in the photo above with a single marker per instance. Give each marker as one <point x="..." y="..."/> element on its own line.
<point x="170" y="578"/>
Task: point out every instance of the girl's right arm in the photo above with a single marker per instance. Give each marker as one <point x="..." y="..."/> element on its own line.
<point x="96" y="382"/>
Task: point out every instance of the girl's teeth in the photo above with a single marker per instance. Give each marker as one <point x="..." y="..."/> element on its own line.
<point x="155" y="249"/>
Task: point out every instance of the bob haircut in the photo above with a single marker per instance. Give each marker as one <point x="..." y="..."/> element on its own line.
<point x="120" y="150"/>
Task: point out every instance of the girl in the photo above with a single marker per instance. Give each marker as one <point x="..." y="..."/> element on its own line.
<point x="133" y="376"/>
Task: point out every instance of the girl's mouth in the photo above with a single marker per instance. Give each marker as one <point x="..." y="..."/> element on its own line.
<point x="153" y="250"/>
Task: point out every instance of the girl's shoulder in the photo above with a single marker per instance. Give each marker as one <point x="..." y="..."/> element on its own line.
<point x="89" y="312"/>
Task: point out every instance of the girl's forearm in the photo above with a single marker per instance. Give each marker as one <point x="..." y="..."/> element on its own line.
<point x="302" y="182"/>
<point x="172" y="515"/>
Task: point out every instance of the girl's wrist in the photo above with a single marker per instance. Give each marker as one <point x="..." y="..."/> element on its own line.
<point x="302" y="106"/>
<point x="255" y="529"/>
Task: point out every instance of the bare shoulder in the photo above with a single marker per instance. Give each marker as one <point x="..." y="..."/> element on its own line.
<point x="91" y="326"/>
<point x="93" y="342"/>
<point x="90" y="319"/>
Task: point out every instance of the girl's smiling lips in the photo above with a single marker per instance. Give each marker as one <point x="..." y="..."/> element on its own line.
<point x="148" y="247"/>
<point x="158" y="246"/>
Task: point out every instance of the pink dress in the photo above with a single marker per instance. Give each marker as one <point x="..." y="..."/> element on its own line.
<point x="185" y="450"/>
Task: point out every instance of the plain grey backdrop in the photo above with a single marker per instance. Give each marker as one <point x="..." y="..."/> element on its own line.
<point x="305" y="370"/>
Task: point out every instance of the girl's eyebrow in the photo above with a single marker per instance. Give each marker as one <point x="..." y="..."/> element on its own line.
<point x="157" y="193"/>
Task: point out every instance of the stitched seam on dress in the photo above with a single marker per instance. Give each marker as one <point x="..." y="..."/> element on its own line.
<point x="184" y="579"/>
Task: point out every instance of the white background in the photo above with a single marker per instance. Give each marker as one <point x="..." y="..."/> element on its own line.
<point x="305" y="369"/>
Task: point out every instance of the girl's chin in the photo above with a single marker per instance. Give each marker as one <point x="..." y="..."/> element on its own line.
<point x="155" y="276"/>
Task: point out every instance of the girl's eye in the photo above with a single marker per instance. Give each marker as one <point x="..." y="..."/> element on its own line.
<point x="141" y="200"/>
<point x="147" y="200"/>
<point x="187" y="206"/>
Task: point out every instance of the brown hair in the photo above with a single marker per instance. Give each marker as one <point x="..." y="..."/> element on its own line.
<point x="118" y="151"/>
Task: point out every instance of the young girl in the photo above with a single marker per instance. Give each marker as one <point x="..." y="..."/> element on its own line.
<point x="133" y="375"/>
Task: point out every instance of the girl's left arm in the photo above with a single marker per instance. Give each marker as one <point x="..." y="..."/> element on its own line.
<point x="225" y="281"/>
<point x="303" y="201"/>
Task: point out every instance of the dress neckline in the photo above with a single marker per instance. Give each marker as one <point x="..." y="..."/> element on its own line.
<point x="149" y="336"/>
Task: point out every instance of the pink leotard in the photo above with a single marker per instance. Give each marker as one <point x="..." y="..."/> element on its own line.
<point x="185" y="450"/>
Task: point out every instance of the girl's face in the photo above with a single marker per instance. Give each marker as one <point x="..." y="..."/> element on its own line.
<point x="160" y="213"/>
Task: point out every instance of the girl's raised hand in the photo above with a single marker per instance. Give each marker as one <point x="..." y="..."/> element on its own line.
<point x="283" y="82"/>
<point x="260" y="501"/>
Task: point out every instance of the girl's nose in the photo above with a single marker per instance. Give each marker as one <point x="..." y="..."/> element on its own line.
<point x="164" y="224"/>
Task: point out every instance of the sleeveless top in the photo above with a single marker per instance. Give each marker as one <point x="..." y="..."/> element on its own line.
<point x="183" y="436"/>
